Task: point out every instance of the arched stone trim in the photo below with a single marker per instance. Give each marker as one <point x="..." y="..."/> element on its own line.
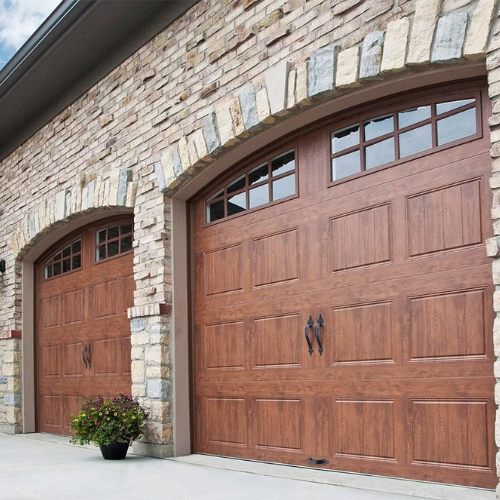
<point x="88" y="193"/>
<point x="407" y="45"/>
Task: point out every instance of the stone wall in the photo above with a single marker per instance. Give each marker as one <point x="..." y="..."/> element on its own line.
<point x="10" y="386"/>
<point x="224" y="71"/>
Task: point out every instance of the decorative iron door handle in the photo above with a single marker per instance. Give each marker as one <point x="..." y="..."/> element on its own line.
<point x="316" y="333"/>
<point x="321" y="461"/>
<point x="84" y="356"/>
<point x="88" y="357"/>
<point x="310" y="324"/>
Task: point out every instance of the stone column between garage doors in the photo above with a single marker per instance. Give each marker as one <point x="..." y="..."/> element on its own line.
<point x="152" y="380"/>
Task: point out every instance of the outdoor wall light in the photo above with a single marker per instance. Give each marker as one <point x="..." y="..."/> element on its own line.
<point x="2" y="266"/>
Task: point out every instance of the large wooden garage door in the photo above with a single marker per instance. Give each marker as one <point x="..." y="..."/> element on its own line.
<point x="85" y="286"/>
<point x="367" y="237"/>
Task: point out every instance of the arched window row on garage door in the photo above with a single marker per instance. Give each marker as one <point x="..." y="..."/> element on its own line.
<point x="376" y="140"/>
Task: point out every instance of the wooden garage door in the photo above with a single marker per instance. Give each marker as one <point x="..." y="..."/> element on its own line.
<point x="85" y="286"/>
<point x="367" y="237"/>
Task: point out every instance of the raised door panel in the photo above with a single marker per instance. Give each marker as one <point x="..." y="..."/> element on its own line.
<point x="223" y="270"/>
<point x="73" y="307"/>
<point x="51" y="413"/>
<point x="448" y="325"/>
<point x="226" y="421"/>
<point x="105" y="357"/>
<point x="279" y="424"/>
<point x="74" y="365"/>
<point x="364" y="429"/>
<point x="105" y="303"/>
<point x="446" y="218"/>
<point x="363" y="333"/>
<point x="453" y="433"/>
<point x="223" y="346"/>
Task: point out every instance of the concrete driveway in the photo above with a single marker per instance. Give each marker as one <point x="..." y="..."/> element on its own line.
<point x="44" y="467"/>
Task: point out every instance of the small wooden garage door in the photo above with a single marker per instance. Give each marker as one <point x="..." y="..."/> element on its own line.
<point x="84" y="287"/>
<point x="366" y="237"/>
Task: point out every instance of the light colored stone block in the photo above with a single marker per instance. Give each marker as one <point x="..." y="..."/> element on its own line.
<point x="394" y="51"/>
<point x="371" y="52"/>
<point x="450" y="36"/>
<point x="263" y="110"/>
<point x="211" y="134"/>
<point x="321" y="74"/>
<point x="277" y="85"/>
<point x="237" y="117"/>
<point x="184" y="153"/>
<point x="124" y="177"/>
<point x="225" y="125"/>
<point x="248" y="106"/>
<point x="131" y="194"/>
<point x="167" y="165"/>
<point x="422" y="33"/>
<point x="198" y="140"/>
<point x="479" y="29"/>
<point x="347" y="67"/>
<point x="290" y="93"/>
<point x="301" y="89"/>
<point x="60" y="205"/>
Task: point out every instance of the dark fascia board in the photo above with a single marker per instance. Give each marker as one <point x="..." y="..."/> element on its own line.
<point x="51" y="29"/>
<point x="58" y="67"/>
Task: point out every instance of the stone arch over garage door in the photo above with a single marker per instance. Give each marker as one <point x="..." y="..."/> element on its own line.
<point x="90" y="199"/>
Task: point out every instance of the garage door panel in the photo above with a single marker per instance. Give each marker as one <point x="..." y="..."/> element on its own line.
<point x="449" y="324"/>
<point x="81" y="308"/>
<point x="444" y="219"/>
<point x="365" y="429"/>
<point x="362" y="333"/>
<point x="361" y="238"/>
<point x="452" y="432"/>
<point x="393" y="261"/>
<point x="226" y="421"/>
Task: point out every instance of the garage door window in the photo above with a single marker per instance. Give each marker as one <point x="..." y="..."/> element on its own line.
<point x="270" y="181"/>
<point x="387" y="138"/>
<point x="113" y="241"/>
<point x="65" y="260"/>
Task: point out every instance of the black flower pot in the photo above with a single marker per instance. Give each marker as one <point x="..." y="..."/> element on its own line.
<point x="114" y="451"/>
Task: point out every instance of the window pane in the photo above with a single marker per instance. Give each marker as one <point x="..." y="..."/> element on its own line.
<point x="67" y="251"/>
<point x="259" y="196"/>
<point x="345" y="138"/>
<point x="345" y="165"/>
<point x="379" y="153"/>
<point x="57" y="268"/>
<point x="100" y="253"/>
<point x="113" y="248"/>
<point x="57" y="256"/>
<point x="77" y="246"/>
<point x="216" y="195"/>
<point x="125" y="229"/>
<point x="77" y="261"/>
<point x="448" y="106"/>
<point x="113" y="232"/>
<point x="100" y="236"/>
<point x="415" y="115"/>
<point x="66" y="266"/>
<point x="456" y="126"/>
<point x="378" y="127"/>
<point x="284" y="187"/>
<point x="126" y="244"/>
<point x="258" y="174"/>
<point x="215" y="211"/>
<point x="236" y="204"/>
<point x="283" y="163"/>
<point x="48" y="272"/>
<point x="414" y="141"/>
<point x="236" y="185"/>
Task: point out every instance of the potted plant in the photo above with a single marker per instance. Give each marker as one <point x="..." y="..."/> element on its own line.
<point x="110" y="424"/>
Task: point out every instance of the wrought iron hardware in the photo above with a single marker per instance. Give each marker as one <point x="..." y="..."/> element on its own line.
<point x="320" y="461"/>
<point x="88" y="357"/>
<point x="316" y="333"/>
<point x="310" y="324"/>
<point x="84" y="356"/>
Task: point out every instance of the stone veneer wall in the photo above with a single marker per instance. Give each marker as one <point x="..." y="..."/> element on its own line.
<point x="224" y="71"/>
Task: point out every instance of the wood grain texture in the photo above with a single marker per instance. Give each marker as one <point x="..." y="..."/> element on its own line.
<point x="83" y="307"/>
<point x="394" y="262"/>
